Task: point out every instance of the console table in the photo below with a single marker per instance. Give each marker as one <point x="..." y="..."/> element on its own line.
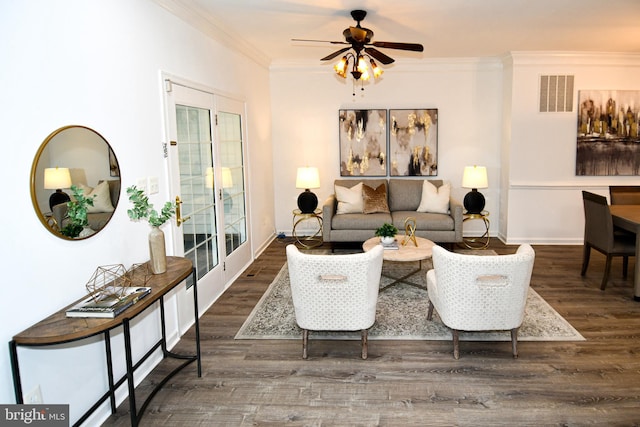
<point x="59" y="329"/>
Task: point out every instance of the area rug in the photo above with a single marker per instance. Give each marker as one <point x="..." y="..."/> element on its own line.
<point x="401" y="314"/>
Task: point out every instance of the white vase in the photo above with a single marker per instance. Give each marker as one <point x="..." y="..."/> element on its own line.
<point x="387" y="240"/>
<point x="157" y="251"/>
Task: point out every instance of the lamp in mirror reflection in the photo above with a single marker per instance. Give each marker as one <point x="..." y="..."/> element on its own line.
<point x="474" y="177"/>
<point x="307" y="178"/>
<point x="57" y="179"/>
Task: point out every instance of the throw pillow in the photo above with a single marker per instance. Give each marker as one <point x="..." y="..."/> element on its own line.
<point x="102" y="199"/>
<point x="435" y="200"/>
<point x="375" y="200"/>
<point x="349" y="199"/>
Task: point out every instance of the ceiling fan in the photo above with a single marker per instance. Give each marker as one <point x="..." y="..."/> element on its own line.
<point x="359" y="38"/>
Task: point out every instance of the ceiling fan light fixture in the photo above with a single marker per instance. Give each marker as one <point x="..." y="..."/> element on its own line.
<point x="377" y="71"/>
<point x="341" y="67"/>
<point x="362" y="68"/>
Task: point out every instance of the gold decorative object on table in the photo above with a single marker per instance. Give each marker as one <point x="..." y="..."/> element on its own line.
<point x="113" y="279"/>
<point x="139" y="274"/>
<point x="108" y="279"/>
<point x="409" y="231"/>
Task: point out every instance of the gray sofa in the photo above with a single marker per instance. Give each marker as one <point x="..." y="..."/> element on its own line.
<point x="403" y="197"/>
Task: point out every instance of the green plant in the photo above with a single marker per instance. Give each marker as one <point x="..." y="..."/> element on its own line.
<point x="142" y="209"/>
<point x="77" y="212"/>
<point x="387" y="230"/>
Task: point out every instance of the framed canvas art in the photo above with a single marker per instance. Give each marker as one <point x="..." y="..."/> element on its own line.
<point x="413" y="142"/>
<point x="608" y="135"/>
<point x="363" y="142"/>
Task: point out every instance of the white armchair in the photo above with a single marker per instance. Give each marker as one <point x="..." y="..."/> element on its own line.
<point x="334" y="292"/>
<point x="480" y="293"/>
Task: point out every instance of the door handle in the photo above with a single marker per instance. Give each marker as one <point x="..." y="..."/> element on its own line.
<point x="179" y="219"/>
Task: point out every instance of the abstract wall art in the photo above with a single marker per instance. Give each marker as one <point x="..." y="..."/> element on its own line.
<point x="363" y="142"/>
<point x="608" y="141"/>
<point x="413" y="142"/>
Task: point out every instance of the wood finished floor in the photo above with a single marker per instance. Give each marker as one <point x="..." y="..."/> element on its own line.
<point x="411" y="383"/>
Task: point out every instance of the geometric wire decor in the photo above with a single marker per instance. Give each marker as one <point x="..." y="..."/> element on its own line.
<point x="113" y="279"/>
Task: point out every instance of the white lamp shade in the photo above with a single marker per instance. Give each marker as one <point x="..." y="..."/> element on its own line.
<point x="308" y="178"/>
<point x="57" y="178"/>
<point x="475" y="177"/>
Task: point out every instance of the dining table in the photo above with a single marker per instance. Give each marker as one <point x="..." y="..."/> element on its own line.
<point x="627" y="217"/>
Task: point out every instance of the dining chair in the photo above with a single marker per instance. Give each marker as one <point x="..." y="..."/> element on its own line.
<point x="599" y="234"/>
<point x="480" y="293"/>
<point x="335" y="292"/>
<point x="624" y="194"/>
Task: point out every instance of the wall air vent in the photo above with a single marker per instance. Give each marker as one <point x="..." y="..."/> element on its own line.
<point x="556" y="94"/>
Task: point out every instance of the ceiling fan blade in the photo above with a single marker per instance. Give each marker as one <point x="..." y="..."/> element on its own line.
<point x="379" y="55"/>
<point x="416" y="47"/>
<point x="336" y="53"/>
<point x="318" y="41"/>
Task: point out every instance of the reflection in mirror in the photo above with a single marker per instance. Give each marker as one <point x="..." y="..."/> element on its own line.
<point x="80" y="157"/>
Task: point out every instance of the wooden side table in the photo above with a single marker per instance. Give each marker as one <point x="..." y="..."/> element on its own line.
<point x="481" y="242"/>
<point x="307" y="241"/>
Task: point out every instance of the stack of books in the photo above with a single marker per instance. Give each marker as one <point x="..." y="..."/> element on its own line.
<point x="108" y="304"/>
<point x="390" y="246"/>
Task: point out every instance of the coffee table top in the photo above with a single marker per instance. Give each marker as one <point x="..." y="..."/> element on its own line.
<point x="404" y="253"/>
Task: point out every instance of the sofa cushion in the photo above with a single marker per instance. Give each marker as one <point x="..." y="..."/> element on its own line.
<point x="349" y="199"/>
<point x="375" y="200"/>
<point x="360" y="221"/>
<point x="424" y="220"/>
<point x="434" y="199"/>
<point x="405" y="194"/>
<point x="101" y="197"/>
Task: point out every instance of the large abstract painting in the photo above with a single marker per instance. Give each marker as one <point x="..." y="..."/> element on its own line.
<point x="608" y="142"/>
<point x="413" y="142"/>
<point x="363" y="142"/>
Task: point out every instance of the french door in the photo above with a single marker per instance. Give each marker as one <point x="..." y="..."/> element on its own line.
<point x="207" y="176"/>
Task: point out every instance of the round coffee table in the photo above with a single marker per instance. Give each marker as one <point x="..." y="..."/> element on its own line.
<point x="405" y="253"/>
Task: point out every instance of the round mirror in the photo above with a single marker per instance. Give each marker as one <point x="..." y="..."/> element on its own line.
<point x="75" y="164"/>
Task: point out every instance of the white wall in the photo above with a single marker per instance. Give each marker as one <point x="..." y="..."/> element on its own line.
<point x="98" y="64"/>
<point x="488" y="115"/>
<point x="544" y="194"/>
<point x="306" y="100"/>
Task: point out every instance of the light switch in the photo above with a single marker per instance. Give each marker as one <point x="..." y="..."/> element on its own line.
<point x="153" y="185"/>
<point x="141" y="184"/>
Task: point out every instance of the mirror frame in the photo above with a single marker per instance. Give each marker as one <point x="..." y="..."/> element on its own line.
<point x="34" y="170"/>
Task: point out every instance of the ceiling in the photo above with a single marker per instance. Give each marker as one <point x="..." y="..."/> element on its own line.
<point x="446" y="28"/>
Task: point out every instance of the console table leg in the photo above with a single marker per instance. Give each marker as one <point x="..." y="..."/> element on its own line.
<point x="197" y="321"/>
<point x="129" y="359"/>
<point x="15" y="371"/>
<point x="112" y="388"/>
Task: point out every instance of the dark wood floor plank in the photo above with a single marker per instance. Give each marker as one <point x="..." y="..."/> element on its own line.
<point x="415" y="383"/>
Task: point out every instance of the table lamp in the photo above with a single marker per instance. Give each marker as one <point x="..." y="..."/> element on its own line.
<point x="57" y="179"/>
<point x="307" y="178"/>
<point x="474" y="177"/>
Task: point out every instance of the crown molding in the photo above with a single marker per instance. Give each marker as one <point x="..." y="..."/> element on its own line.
<point x="578" y="58"/>
<point x="214" y="28"/>
<point x="407" y="65"/>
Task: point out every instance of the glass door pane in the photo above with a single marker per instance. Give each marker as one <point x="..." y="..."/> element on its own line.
<point x="193" y="127"/>
<point x="233" y="196"/>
